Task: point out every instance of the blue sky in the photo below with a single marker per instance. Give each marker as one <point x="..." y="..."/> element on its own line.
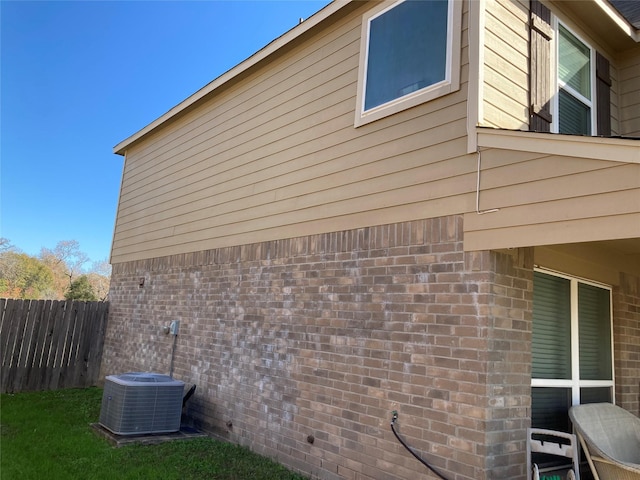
<point x="78" y="77"/>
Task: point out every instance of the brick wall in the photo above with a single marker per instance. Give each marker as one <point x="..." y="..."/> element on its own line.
<point x="509" y="361"/>
<point x="301" y="348"/>
<point x="626" y="332"/>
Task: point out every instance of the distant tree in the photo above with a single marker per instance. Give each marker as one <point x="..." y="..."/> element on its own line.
<point x="100" y="279"/>
<point x="23" y="276"/>
<point x="60" y="278"/>
<point x="102" y="267"/>
<point x="5" y="245"/>
<point x="9" y="273"/>
<point x="66" y="261"/>
<point x="37" y="279"/>
<point x="52" y="274"/>
<point x="80" y="289"/>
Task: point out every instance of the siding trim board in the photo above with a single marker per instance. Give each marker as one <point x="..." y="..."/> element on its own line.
<point x="476" y="53"/>
<point x="596" y="148"/>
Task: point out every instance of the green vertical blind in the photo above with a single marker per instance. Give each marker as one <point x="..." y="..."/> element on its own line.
<point x="595" y="395"/>
<point x="594" y="313"/>
<point x="550" y="408"/>
<point x="551" y="346"/>
<point x="575" y="116"/>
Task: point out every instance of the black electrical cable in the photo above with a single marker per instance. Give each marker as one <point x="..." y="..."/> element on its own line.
<point x="393" y="422"/>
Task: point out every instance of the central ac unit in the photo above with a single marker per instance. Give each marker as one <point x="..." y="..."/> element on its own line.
<point x="141" y="403"/>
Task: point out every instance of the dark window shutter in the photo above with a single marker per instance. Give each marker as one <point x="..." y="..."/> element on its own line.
<point x="603" y="96"/>
<point x="540" y="67"/>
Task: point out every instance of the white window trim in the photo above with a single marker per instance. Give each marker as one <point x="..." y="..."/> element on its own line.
<point x="450" y="84"/>
<point x="591" y="103"/>
<point x="575" y="383"/>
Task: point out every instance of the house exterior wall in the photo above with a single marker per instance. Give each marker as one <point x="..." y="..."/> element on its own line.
<point x="326" y="275"/>
<point x="325" y="335"/>
<point x="276" y="155"/>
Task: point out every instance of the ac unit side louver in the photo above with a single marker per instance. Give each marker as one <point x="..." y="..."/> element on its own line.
<point x="138" y="403"/>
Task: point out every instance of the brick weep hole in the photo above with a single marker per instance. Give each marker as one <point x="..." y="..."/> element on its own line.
<point x="301" y="348"/>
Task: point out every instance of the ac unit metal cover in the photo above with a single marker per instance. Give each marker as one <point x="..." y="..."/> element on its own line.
<point x="138" y="403"/>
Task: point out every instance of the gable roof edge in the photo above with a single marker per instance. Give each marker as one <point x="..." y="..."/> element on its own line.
<point x="623" y="22"/>
<point x="243" y="66"/>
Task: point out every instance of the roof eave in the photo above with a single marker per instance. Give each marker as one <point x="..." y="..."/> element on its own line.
<point x="270" y="49"/>
<point x="620" y="20"/>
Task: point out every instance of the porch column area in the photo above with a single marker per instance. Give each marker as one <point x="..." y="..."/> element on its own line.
<point x="509" y="324"/>
<point x="626" y="335"/>
<point x="302" y="348"/>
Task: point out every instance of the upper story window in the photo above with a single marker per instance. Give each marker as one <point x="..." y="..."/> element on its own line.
<point x="410" y="54"/>
<point x="574" y="106"/>
<point x="569" y="81"/>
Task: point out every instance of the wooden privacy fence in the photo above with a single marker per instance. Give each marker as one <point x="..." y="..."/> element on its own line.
<point x="50" y="344"/>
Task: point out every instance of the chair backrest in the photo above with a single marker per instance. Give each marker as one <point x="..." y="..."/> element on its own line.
<point x="609" y="429"/>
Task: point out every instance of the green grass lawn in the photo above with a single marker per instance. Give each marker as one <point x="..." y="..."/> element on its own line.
<point x="46" y="435"/>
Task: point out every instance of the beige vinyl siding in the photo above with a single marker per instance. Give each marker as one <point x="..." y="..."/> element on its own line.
<point x="630" y="94"/>
<point x="555" y="199"/>
<point x="276" y="155"/>
<point x="217" y="134"/>
<point x="505" y="96"/>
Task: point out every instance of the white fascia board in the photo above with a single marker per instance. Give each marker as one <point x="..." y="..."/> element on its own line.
<point x="613" y="149"/>
<point x="254" y="59"/>
<point x="624" y="25"/>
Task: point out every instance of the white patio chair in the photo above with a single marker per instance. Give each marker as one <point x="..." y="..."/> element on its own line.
<point x="552" y="443"/>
